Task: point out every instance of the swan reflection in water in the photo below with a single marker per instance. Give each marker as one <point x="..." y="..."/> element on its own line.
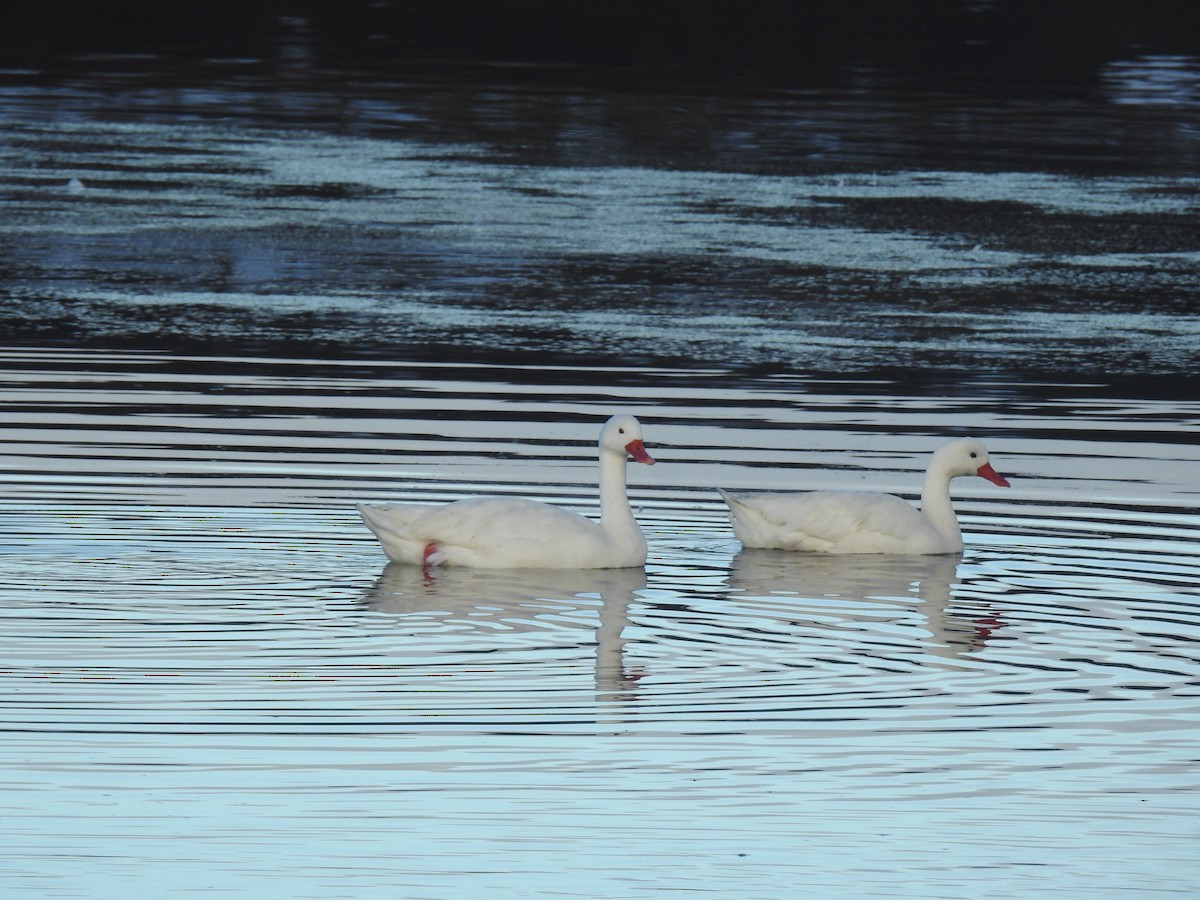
<point x="522" y="600"/>
<point x="956" y="627"/>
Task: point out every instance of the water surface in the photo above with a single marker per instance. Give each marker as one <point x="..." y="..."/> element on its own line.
<point x="209" y="660"/>
<point x="268" y="298"/>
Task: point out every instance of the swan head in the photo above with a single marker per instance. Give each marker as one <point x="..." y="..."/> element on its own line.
<point x="966" y="456"/>
<point x="623" y="434"/>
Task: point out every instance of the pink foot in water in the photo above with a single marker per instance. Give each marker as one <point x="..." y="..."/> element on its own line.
<point x="432" y="550"/>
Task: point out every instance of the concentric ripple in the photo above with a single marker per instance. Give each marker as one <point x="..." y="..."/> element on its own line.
<point x="197" y="626"/>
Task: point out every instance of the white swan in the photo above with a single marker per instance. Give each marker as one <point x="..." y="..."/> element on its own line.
<point x="858" y="522"/>
<point x="514" y="532"/>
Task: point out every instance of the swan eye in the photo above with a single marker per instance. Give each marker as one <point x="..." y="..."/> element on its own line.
<point x="622" y="431"/>
<point x="974" y="455"/>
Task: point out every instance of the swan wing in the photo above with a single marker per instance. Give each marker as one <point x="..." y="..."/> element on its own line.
<point x="499" y="532"/>
<point x="829" y="522"/>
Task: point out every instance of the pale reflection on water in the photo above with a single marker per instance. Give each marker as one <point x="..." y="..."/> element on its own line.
<point x="208" y="658"/>
<point x="460" y="600"/>
<point x="906" y="592"/>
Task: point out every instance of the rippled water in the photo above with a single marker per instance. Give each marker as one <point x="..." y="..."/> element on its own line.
<point x="210" y="667"/>
<point x="264" y="302"/>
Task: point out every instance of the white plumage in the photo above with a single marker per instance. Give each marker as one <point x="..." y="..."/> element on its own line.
<point x="861" y="522"/>
<point x="515" y="532"/>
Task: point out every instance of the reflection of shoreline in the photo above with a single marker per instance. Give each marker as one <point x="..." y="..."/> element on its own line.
<point x="517" y="598"/>
<point x="930" y="580"/>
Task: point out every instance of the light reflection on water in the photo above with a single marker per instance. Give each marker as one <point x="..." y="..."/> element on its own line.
<point x="437" y="284"/>
<point x="440" y="250"/>
<point x="207" y="658"/>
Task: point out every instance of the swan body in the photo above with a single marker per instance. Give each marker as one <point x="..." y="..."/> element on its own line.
<point x="515" y="532"/>
<point x="862" y="522"/>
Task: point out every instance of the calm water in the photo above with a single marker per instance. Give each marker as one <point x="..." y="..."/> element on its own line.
<point x="253" y="312"/>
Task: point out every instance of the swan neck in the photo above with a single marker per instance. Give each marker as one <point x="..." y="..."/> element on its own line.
<point x="935" y="503"/>
<point x="614" y="501"/>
